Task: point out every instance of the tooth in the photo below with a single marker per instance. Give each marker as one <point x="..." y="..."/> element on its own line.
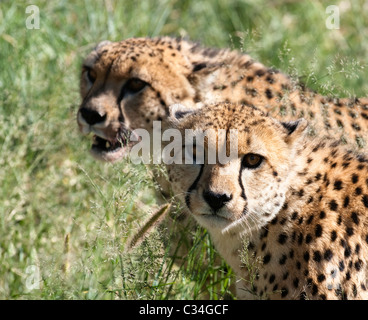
<point x="107" y="144"/>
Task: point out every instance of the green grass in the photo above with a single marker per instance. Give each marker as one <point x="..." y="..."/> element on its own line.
<point x="51" y="188"/>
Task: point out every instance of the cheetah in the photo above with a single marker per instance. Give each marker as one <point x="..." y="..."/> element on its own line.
<point x="296" y="204"/>
<point x="129" y="84"/>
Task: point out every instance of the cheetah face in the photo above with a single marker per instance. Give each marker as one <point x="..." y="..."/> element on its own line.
<point x="127" y="85"/>
<point x="249" y="190"/>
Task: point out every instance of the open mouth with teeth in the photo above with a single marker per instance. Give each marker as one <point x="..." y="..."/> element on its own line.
<point x="112" y="150"/>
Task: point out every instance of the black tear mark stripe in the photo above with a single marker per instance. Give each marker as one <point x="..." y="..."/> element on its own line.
<point x="193" y="186"/>
<point x="241" y="184"/>
<point x="242" y="189"/>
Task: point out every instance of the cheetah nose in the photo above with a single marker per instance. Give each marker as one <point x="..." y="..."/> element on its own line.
<point x="216" y="200"/>
<point x="92" y="117"/>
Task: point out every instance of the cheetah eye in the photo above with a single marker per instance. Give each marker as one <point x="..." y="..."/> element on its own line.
<point x="91" y="74"/>
<point x="252" y="161"/>
<point x="134" y="85"/>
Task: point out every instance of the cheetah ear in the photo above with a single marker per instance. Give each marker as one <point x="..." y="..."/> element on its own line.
<point x="295" y="129"/>
<point x="102" y="44"/>
<point x="178" y="112"/>
<point x="199" y="66"/>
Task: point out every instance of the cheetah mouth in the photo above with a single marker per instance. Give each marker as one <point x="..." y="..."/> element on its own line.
<point x="112" y="150"/>
<point x="215" y="218"/>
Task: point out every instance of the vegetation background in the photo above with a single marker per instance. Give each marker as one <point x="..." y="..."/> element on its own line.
<point x="65" y="218"/>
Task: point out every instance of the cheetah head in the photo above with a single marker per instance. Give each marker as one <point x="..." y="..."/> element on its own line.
<point x="249" y="189"/>
<point x="129" y="84"/>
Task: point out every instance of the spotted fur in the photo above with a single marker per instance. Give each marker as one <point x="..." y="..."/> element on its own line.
<point x="302" y="211"/>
